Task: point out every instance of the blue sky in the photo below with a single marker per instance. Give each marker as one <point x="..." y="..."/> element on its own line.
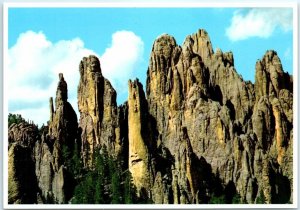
<point x="45" y="41"/>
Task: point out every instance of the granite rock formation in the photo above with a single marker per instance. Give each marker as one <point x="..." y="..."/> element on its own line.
<point x="198" y="131"/>
<point x="22" y="183"/>
<point x="98" y="110"/>
<point x="206" y="113"/>
<point x="140" y="150"/>
<point x="24" y="133"/>
<point x="54" y="180"/>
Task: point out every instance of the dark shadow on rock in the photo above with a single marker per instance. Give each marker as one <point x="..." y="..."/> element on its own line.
<point x="205" y="182"/>
<point x="237" y="128"/>
<point x="230" y="192"/>
<point x="280" y="187"/>
<point x="164" y="161"/>
<point x="216" y="94"/>
<point x="123" y="121"/>
<point x="25" y="178"/>
<point x="231" y="108"/>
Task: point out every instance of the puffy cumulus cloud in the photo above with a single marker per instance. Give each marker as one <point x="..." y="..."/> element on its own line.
<point x="33" y="67"/>
<point x="121" y="59"/>
<point x="259" y="22"/>
<point x="34" y="63"/>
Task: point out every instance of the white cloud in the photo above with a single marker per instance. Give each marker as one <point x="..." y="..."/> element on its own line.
<point x="121" y="59"/>
<point x="288" y="54"/>
<point x="37" y="115"/>
<point x="33" y="67"/>
<point x="259" y="22"/>
<point x="35" y="62"/>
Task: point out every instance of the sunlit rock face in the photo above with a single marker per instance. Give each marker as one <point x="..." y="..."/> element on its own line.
<point x="197" y="131"/>
<point x="217" y="127"/>
<point x="99" y="122"/>
<point x="139" y="136"/>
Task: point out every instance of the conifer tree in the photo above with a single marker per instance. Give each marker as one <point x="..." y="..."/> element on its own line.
<point x="76" y="166"/>
<point x="116" y="187"/>
<point x="129" y="190"/>
<point x="99" y="169"/>
<point x="105" y="182"/>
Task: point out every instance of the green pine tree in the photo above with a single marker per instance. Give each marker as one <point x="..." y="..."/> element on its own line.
<point x="65" y="151"/>
<point x="99" y="182"/>
<point x="261" y="198"/>
<point x="236" y="199"/>
<point x="217" y="199"/>
<point x="14" y="118"/>
<point x="105" y="182"/>
<point x="116" y="188"/>
<point x="76" y="163"/>
<point x="129" y="190"/>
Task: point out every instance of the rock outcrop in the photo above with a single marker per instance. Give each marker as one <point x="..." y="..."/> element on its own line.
<point x="98" y="110"/>
<point x="22" y="183"/>
<point x="24" y="133"/>
<point x="205" y="112"/>
<point x="139" y="138"/>
<point x="199" y="132"/>
<point x="55" y="147"/>
<point x="273" y="126"/>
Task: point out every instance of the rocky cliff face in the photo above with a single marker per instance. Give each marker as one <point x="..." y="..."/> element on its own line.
<point x="98" y="110"/>
<point x="38" y="172"/>
<point x="22" y="183"/>
<point x="51" y="151"/>
<point x="273" y="125"/>
<point x="205" y="112"/>
<point x="199" y="131"/>
<point x="140" y="150"/>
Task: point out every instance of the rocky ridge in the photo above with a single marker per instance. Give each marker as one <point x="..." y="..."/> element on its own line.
<point x="198" y="131"/>
<point x="99" y="122"/>
<point x="203" y="108"/>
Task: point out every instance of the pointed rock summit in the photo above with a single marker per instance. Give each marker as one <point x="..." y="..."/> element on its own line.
<point x="98" y="110"/>
<point x="270" y="77"/>
<point x="63" y="119"/>
<point x="53" y="178"/>
<point x="199" y="43"/>
<point x="139" y="137"/>
<point x="199" y="134"/>
<point x="62" y="91"/>
<point x="234" y="129"/>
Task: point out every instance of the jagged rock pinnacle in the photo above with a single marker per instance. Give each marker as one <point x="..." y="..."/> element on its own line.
<point x="269" y="76"/>
<point x="139" y="153"/>
<point x="62" y="91"/>
<point x="90" y="64"/>
<point x="198" y="132"/>
<point x="98" y="110"/>
<point x="228" y="121"/>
